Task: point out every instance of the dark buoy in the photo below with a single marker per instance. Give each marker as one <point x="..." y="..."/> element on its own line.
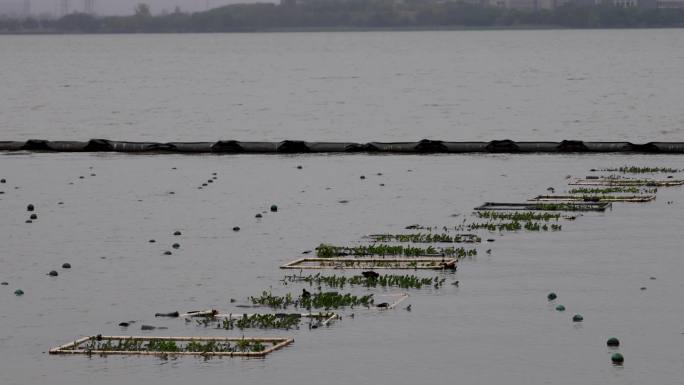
<point x="33" y="216"/>
<point x="613" y="342"/>
<point x="210" y="181"/>
<point x="617" y="358"/>
<point x="560" y="308"/>
<point x="652" y="278"/>
<point x="30" y="207"/>
<point x="81" y="177"/>
<point x="299" y="167"/>
<point x="274" y="208"/>
<point x="60" y="203"/>
<point x="151" y="241"/>
<point x="18" y="292"/>
<point x="204" y="184"/>
<point x="171" y="193"/>
<point x="3" y="180"/>
<point x="236" y="228"/>
<point x="66" y="265"/>
<point x="577" y="318"/>
<point x="258" y="216"/>
<point x="382" y="184"/>
<point x="175" y="245"/>
<point x="551" y="296"/>
<point x="177" y="233"/>
<point x="53" y="273"/>
<point x="173" y="314"/>
<point x="362" y="177"/>
<point x="643" y="288"/>
<point x="167" y="252"/>
<point x="370" y="274"/>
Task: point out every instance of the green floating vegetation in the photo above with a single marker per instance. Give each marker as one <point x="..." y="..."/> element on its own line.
<point x="285" y="321"/>
<point x="640" y="170"/>
<point x="386" y="280"/>
<point x="426" y="238"/>
<point x="514" y="226"/>
<point x="173" y="346"/>
<point x="612" y="190"/>
<point x="330" y="251"/>
<point x="517" y="216"/>
<point x="319" y="300"/>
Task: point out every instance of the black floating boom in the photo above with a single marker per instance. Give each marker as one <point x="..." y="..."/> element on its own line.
<point x="301" y="147"/>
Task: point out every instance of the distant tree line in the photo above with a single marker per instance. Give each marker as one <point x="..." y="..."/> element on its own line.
<point x="351" y="14"/>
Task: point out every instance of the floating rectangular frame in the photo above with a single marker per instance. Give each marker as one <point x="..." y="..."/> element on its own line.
<point x="71" y="347"/>
<point x="590" y="198"/>
<point x="578" y="206"/>
<point x="626" y="182"/>
<point x="371" y="263"/>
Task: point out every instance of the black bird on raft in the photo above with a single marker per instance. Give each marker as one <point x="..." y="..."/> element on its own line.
<point x="370" y="274"/>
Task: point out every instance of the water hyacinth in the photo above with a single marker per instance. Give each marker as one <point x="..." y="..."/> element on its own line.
<point x="388" y="280"/>
<point x="320" y="300"/>
<point x="171" y="346"/>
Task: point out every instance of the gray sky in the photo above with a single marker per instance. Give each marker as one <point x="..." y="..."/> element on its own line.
<point x="109" y="7"/>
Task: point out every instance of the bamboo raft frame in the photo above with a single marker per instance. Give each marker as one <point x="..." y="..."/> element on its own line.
<point x="71" y="347"/>
<point x="578" y="206"/>
<point x="593" y="198"/>
<point x="627" y="182"/>
<point x="230" y="316"/>
<point x="440" y="263"/>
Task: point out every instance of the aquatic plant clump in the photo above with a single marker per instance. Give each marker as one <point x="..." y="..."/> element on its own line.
<point x="172" y="346"/>
<point x="330" y="251"/>
<point x="387" y="280"/>
<point x="319" y="300"/>
<point x="426" y="238"/>
<point x="515" y="226"/>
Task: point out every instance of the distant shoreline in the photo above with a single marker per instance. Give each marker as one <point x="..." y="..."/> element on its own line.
<point x="339" y="30"/>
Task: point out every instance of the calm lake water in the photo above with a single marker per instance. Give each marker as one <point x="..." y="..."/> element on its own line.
<point x="497" y="327"/>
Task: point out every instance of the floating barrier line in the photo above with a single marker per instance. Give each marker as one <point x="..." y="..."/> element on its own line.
<point x="424" y="146"/>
